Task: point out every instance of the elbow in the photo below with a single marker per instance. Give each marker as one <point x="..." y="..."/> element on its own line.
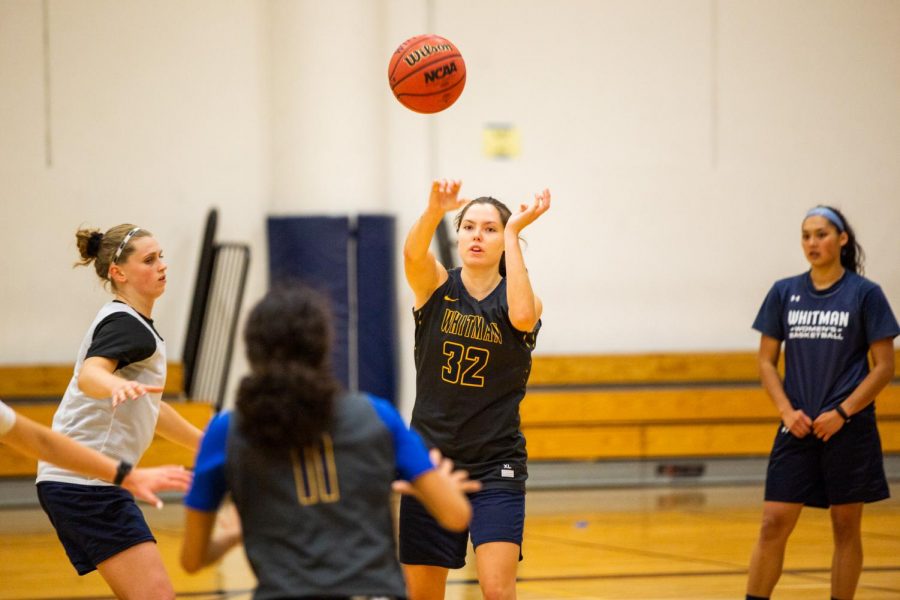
<point x="88" y="384"/>
<point x="765" y="367"/>
<point x="885" y="371"/>
<point x="82" y="383"/>
<point x="191" y="554"/>
<point x="411" y="254"/>
<point x="191" y="564"/>
<point x="523" y="321"/>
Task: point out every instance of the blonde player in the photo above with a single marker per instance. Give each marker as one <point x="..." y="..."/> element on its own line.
<point x="113" y="405"/>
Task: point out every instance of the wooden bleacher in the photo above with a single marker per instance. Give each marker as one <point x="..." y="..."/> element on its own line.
<point x="654" y="406"/>
<point x="35" y="391"/>
<point x="584" y="407"/>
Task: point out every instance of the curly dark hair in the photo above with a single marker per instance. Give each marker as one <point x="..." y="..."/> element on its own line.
<point x="287" y="401"/>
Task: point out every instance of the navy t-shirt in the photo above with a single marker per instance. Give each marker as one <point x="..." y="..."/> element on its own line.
<point x="826" y="335"/>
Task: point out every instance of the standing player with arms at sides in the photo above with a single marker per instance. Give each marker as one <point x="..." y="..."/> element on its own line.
<point x="113" y="405"/>
<point x="827" y="451"/>
<point x="34" y="440"/>
<point x="475" y="329"/>
<point x="310" y="468"/>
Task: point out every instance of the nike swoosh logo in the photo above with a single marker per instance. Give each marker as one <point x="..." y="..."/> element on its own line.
<point x="449" y="299"/>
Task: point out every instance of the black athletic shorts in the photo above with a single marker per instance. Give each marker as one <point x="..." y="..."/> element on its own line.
<point x="93" y="522"/>
<point x="848" y="468"/>
<point x="497" y="516"/>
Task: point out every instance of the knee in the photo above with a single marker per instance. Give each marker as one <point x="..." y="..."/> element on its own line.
<point x="498" y="590"/>
<point x="159" y="590"/>
<point x="846" y="531"/>
<point x="774" y="528"/>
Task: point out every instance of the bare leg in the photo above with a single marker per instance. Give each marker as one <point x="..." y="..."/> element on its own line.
<point x="846" y="565"/>
<point x="138" y="573"/>
<point x="767" y="561"/>
<point x="497" y="564"/>
<point x="424" y="582"/>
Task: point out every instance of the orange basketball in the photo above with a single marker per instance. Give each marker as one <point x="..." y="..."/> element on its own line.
<point x="427" y="73"/>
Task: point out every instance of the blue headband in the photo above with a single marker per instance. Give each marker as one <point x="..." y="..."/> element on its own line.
<point x="824" y="211"/>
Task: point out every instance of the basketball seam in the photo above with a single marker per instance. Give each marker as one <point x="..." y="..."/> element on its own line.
<point x="396" y="64"/>
<point x="423" y="66"/>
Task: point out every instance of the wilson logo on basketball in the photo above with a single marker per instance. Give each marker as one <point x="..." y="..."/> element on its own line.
<point x="440" y="72"/>
<point x="425" y="51"/>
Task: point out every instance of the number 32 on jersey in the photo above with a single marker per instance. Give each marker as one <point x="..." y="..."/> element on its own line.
<point x="464" y="364"/>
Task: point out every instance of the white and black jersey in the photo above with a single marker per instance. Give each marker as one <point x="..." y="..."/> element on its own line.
<point x="119" y="333"/>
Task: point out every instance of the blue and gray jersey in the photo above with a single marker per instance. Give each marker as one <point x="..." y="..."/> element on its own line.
<point x="317" y="522"/>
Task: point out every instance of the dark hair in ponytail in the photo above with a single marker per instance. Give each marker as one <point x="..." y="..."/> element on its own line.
<point x="852" y="255"/>
<point x="504" y="211"/>
<point x="287" y="401"/>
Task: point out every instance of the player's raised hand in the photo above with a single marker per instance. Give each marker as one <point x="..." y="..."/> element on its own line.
<point x="444" y="195"/>
<point x="528" y="213"/>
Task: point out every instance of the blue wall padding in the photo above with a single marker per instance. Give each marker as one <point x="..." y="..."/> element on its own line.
<point x="314" y="250"/>
<point x="376" y="305"/>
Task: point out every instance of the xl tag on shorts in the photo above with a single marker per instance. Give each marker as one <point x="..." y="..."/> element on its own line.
<point x="507" y="471"/>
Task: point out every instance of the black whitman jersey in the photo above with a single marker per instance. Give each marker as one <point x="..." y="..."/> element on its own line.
<point x="471" y="369"/>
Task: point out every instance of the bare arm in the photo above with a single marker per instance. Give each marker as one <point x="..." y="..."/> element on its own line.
<point x="830" y="422"/>
<point x="97" y="379"/>
<point x="37" y="441"/>
<point x="176" y="428"/>
<point x="204" y="543"/>
<point x="796" y="421"/>
<point x="524" y="306"/>
<point x="424" y="273"/>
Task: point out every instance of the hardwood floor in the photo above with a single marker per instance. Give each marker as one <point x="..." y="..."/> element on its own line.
<point x="674" y="543"/>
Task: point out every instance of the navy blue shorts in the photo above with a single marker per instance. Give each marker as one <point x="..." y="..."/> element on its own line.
<point x="93" y="522"/>
<point x="848" y="468"/>
<point x="497" y="516"/>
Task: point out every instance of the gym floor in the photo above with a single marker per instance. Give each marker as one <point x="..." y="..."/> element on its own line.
<point x="638" y="543"/>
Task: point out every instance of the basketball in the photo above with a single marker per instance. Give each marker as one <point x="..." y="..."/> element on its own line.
<point x="427" y="73"/>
